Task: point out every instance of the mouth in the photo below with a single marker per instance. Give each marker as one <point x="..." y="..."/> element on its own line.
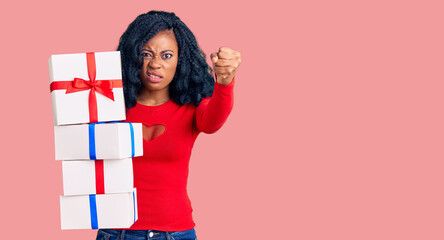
<point x="154" y="77"/>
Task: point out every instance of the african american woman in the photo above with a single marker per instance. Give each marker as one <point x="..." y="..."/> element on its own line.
<point x="170" y="88"/>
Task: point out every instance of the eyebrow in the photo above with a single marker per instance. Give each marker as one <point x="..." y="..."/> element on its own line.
<point x="148" y="50"/>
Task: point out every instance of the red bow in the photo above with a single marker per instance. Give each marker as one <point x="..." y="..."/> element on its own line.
<point x="104" y="87"/>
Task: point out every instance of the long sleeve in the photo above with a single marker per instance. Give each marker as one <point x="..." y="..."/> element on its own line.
<point x="212" y="112"/>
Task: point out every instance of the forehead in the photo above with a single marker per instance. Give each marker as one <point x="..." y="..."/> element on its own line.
<point x="165" y="39"/>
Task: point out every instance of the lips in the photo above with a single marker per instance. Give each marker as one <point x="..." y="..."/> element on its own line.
<point x="154" y="77"/>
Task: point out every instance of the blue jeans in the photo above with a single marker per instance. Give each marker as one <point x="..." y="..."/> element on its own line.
<point x="110" y="234"/>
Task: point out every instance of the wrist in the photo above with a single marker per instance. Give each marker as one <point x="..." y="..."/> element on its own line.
<point x="224" y="81"/>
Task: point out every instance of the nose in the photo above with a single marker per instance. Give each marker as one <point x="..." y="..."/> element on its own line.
<point x="154" y="63"/>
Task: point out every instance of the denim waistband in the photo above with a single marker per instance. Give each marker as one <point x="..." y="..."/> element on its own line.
<point x="148" y="234"/>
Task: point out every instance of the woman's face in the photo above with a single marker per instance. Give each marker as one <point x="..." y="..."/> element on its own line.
<point x="160" y="55"/>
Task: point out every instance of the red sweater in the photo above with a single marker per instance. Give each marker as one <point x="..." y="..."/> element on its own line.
<point x="161" y="174"/>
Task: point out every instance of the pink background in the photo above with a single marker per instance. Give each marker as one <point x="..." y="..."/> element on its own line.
<point x="337" y="130"/>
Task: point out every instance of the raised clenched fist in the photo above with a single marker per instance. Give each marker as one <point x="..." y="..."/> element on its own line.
<point x="225" y="64"/>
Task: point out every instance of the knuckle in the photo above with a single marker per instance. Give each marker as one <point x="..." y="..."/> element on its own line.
<point x="224" y="49"/>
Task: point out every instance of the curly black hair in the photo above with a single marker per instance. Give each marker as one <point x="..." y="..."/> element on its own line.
<point x="193" y="79"/>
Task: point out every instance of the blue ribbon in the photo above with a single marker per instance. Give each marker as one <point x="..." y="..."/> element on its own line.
<point x="134" y="207"/>
<point x="133" y="149"/>
<point x="93" y="211"/>
<point x="92" y="139"/>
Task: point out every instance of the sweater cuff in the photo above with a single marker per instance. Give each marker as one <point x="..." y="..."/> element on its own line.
<point x="223" y="87"/>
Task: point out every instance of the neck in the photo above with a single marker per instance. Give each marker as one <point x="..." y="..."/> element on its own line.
<point x="153" y="98"/>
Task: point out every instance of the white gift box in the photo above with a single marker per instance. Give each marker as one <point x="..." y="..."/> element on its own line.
<point x="110" y="141"/>
<point x="73" y="108"/>
<point x="113" y="210"/>
<point x="97" y="176"/>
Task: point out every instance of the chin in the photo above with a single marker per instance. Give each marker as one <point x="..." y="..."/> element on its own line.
<point x="154" y="86"/>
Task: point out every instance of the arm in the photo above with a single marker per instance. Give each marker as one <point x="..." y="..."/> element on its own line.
<point x="212" y="112"/>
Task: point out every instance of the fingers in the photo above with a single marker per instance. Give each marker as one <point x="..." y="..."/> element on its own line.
<point x="213" y="57"/>
<point x="226" y="63"/>
<point x="229" y="50"/>
<point x="225" y="70"/>
<point x="225" y="57"/>
<point x="228" y="53"/>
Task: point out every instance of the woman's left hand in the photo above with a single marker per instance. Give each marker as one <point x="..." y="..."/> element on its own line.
<point x="225" y="64"/>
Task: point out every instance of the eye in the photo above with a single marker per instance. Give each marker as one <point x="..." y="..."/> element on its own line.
<point x="167" y="55"/>
<point x="145" y="54"/>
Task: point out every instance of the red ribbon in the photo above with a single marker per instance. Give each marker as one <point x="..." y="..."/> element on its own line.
<point x="104" y="87"/>
<point x="100" y="183"/>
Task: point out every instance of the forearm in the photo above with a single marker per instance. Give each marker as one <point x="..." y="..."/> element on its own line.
<point x="212" y="113"/>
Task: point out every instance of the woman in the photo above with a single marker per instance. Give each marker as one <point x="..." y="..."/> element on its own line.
<point x="169" y="88"/>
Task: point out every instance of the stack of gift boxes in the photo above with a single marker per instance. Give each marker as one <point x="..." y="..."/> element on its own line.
<point x="96" y="150"/>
